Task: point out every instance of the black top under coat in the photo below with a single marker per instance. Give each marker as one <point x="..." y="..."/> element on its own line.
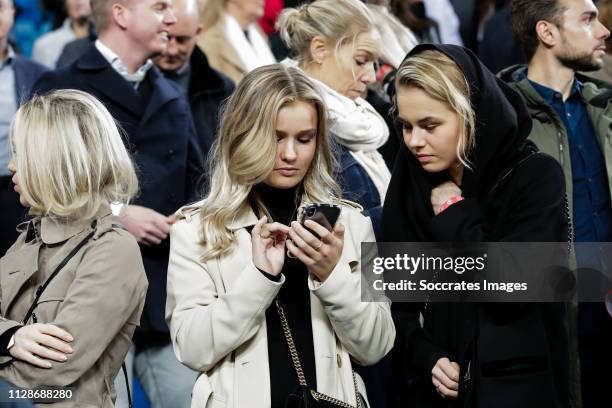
<point x="295" y="299"/>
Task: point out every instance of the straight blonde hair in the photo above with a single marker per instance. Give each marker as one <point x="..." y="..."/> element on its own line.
<point x="338" y="21"/>
<point x="441" y="78"/>
<point x="69" y="156"/>
<point x="245" y="152"/>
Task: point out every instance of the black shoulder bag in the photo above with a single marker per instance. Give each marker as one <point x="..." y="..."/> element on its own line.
<point x="305" y="397"/>
<point x="41" y="289"/>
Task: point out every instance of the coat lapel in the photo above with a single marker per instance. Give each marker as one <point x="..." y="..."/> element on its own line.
<point x="20" y="81"/>
<point x="232" y="265"/>
<point x="15" y="270"/>
<point x="217" y="40"/>
<point x="107" y="81"/>
<point x="163" y="92"/>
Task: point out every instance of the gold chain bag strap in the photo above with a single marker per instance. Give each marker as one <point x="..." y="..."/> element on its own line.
<point x="320" y="400"/>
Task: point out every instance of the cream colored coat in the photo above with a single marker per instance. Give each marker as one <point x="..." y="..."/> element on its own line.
<point x="216" y="313"/>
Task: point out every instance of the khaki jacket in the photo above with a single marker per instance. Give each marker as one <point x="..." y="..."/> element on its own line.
<point x="216" y="313"/>
<point x="221" y="55"/>
<point x="549" y="133"/>
<point x="97" y="298"/>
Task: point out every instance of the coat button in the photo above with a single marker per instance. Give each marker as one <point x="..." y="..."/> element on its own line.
<point x="172" y="198"/>
<point x="339" y="360"/>
<point x="171" y="154"/>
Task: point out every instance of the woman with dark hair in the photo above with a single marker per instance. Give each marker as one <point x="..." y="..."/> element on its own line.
<point x="466" y="173"/>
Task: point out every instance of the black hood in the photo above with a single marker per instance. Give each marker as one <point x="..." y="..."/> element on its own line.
<point x="502" y="127"/>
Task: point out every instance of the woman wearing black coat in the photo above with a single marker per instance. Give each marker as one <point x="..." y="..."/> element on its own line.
<point x="466" y="173"/>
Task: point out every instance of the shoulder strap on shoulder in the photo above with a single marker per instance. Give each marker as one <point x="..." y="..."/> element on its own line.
<point x="59" y="267"/>
<point x="350" y="204"/>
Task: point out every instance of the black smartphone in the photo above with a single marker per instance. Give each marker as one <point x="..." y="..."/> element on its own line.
<point x="324" y="214"/>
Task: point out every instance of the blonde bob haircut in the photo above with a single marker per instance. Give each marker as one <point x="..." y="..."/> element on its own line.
<point x="441" y="78"/>
<point x="338" y="21"/>
<point x="69" y="156"/>
<point x="245" y="152"/>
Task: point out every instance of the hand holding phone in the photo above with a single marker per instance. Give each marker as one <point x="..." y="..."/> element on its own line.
<point x="324" y="214"/>
<point x="317" y="240"/>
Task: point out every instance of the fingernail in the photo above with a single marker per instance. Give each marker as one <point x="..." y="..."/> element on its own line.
<point x="48" y="365"/>
<point x="64" y="358"/>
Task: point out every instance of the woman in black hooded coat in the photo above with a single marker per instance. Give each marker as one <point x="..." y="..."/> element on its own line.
<point x="484" y="182"/>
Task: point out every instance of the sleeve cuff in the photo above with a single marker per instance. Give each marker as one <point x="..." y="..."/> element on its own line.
<point x="425" y="354"/>
<point x="5" y="340"/>
<point x="334" y="283"/>
<point x="273" y="278"/>
<point x="447" y="225"/>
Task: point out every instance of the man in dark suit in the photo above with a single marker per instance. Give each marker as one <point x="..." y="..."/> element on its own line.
<point x="156" y="118"/>
<point x="186" y="65"/>
<point x="17" y="75"/>
<point x="75" y="48"/>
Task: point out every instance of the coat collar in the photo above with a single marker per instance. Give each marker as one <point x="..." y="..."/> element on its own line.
<point x="52" y="230"/>
<point x="19" y="265"/>
<point x="215" y="37"/>
<point x="108" y="82"/>
<point x="163" y="92"/>
<point x="246" y="218"/>
<point x="204" y="79"/>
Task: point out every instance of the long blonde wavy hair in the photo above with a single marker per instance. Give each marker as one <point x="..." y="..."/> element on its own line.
<point x="245" y="152"/>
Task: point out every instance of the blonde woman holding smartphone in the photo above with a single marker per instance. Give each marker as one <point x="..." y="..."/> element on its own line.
<point x="250" y="290"/>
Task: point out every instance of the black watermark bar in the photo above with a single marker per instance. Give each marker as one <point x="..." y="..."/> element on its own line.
<point x="486" y="272"/>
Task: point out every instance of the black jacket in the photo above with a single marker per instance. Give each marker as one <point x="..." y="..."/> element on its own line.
<point x="208" y="90"/>
<point x="27" y="73"/>
<point x="517" y="354"/>
<point x="162" y="141"/>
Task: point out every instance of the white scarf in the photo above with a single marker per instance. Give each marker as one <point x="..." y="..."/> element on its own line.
<point x="253" y="53"/>
<point x="396" y="39"/>
<point x="357" y="125"/>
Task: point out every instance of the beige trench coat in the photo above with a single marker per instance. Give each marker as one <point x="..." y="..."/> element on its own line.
<point x="97" y="298"/>
<point x="216" y="313"/>
<point x="221" y="55"/>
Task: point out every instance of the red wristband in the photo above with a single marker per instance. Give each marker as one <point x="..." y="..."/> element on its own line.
<point x="453" y="200"/>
